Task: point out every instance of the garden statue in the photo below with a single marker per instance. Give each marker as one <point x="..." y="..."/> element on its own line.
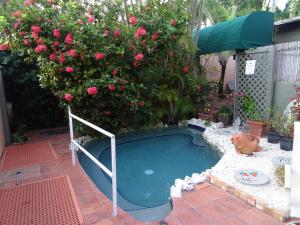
<point x="245" y="143"/>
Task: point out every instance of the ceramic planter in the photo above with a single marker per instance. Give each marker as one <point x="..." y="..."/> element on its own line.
<point x="224" y="119"/>
<point x="257" y="128"/>
<point x="273" y="137"/>
<point x="286" y="143"/>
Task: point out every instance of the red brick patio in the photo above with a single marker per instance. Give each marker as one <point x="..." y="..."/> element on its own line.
<point x="206" y="205"/>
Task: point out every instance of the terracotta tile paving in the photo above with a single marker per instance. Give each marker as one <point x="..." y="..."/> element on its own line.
<point x="207" y="204"/>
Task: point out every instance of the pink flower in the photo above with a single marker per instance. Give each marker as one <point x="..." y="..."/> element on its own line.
<point x="105" y="33"/>
<point x="123" y="87"/>
<point x="26" y="42"/>
<point x="34" y="35"/>
<point x="69" y="69"/>
<point x="185" y="69"/>
<point x="55" y="44"/>
<point x="36" y="29"/>
<point x="40" y="48"/>
<point x="140" y="32"/>
<point x="111" y="87"/>
<point x="52" y="57"/>
<point x="139" y="57"/>
<point x="114" y="72"/>
<point x="68" y="97"/>
<point x="117" y="32"/>
<point x="92" y="90"/>
<point x="141" y="103"/>
<point x="28" y="2"/>
<point x="144" y="42"/>
<point x="155" y="36"/>
<point x="40" y="41"/>
<point x="106" y="113"/>
<point x="99" y="56"/>
<point x="132" y="20"/>
<point x="4" y="47"/>
<point x="22" y="33"/>
<point x="61" y="58"/>
<point x="56" y="33"/>
<point x="69" y="39"/>
<point x="91" y="19"/>
<point x="80" y="22"/>
<point x="173" y="22"/>
<point x="15" y="26"/>
<point x="72" y="53"/>
<point x="17" y="13"/>
<point x="135" y="63"/>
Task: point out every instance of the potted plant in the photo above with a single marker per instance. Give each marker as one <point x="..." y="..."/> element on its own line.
<point x="273" y="135"/>
<point x="224" y="115"/>
<point x="286" y="129"/>
<point x="257" y="126"/>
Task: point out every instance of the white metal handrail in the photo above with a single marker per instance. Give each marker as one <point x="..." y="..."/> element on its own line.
<point x="112" y="137"/>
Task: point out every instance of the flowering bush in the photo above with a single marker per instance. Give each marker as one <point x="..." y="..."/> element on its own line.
<point x="112" y="73"/>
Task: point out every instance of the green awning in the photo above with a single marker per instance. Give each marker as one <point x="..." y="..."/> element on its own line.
<point x="250" y="31"/>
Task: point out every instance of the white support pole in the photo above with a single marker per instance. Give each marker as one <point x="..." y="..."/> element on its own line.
<point x="114" y="176"/>
<point x="71" y="135"/>
<point x="295" y="179"/>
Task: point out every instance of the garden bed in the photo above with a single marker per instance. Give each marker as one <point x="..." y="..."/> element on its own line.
<point x="271" y="198"/>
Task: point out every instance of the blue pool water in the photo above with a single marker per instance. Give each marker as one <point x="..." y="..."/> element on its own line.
<point x="148" y="164"/>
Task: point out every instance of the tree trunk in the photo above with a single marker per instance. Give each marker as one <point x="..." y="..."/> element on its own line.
<point x="223" y="63"/>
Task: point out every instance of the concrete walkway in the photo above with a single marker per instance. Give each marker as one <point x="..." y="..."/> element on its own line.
<point x="206" y="205"/>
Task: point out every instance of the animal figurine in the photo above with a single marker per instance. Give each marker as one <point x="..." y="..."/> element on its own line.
<point x="245" y="143"/>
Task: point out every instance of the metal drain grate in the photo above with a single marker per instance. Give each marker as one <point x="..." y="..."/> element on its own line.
<point x="47" y="202"/>
<point x="17" y="156"/>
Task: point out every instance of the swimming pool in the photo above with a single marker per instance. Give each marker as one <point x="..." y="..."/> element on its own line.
<point x="147" y="165"/>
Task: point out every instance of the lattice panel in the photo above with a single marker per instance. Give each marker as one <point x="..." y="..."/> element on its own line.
<point x="258" y="85"/>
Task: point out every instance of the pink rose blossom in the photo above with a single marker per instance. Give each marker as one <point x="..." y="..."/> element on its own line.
<point x="92" y="90"/>
<point x="61" y="58"/>
<point x="40" y="41"/>
<point x="55" y="44"/>
<point x="17" y="13"/>
<point x="140" y="32"/>
<point x="111" y="87"/>
<point x="34" y="35"/>
<point x="91" y="19"/>
<point x="68" y="97"/>
<point x="80" y="22"/>
<point x="22" y="33"/>
<point x="139" y="57"/>
<point x="26" y="42"/>
<point x="185" y="69"/>
<point x="69" y="69"/>
<point x="56" y="33"/>
<point x="132" y="20"/>
<point x="36" y="29"/>
<point x="99" y="56"/>
<point x="28" y="2"/>
<point x="155" y="36"/>
<point x="173" y="22"/>
<point x="114" y="72"/>
<point x="72" y="53"/>
<point x="4" y="47"/>
<point x="141" y="103"/>
<point x="123" y="87"/>
<point x="69" y="39"/>
<point x="117" y="32"/>
<point x="15" y="26"/>
<point x="105" y="33"/>
<point x="52" y="57"/>
<point x="40" y="48"/>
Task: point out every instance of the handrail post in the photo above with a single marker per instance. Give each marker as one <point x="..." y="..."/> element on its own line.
<point x="114" y="176"/>
<point x="71" y="135"/>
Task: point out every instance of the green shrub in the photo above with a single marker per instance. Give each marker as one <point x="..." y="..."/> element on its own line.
<point x="113" y="73"/>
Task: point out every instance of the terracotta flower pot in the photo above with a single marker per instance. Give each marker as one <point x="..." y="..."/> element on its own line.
<point x="257" y="128"/>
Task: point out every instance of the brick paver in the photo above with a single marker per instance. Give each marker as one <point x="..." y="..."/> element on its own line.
<point x="207" y="204"/>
